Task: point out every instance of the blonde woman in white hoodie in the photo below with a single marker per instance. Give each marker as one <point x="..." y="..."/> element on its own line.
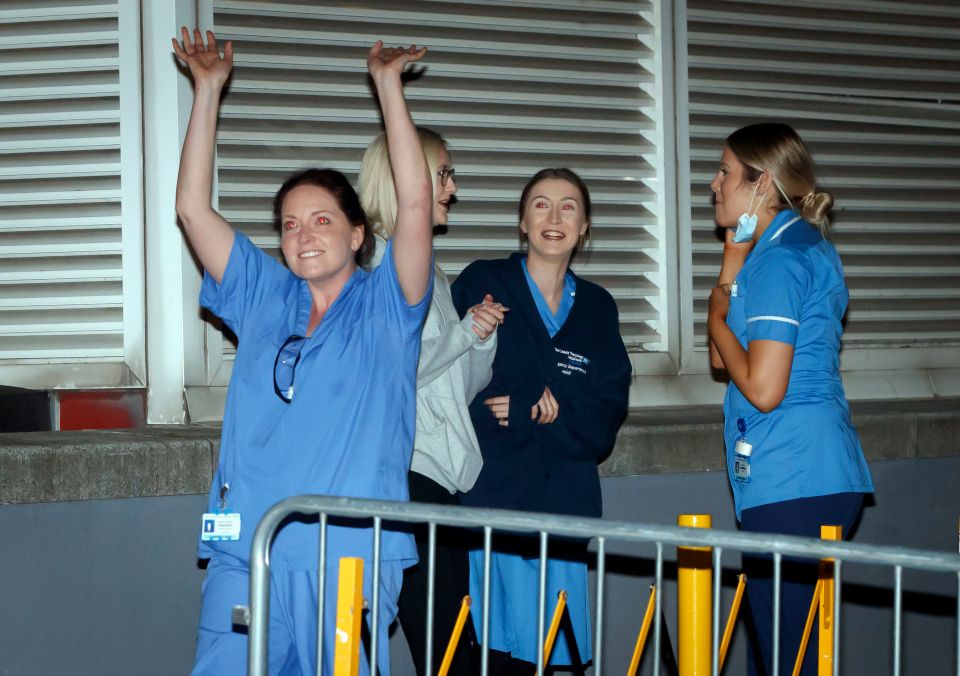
<point x="456" y="357"/>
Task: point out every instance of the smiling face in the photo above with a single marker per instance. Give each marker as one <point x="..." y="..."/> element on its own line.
<point x="443" y="193"/>
<point x="732" y="191"/>
<point x="317" y="239"/>
<point x="554" y="218"/>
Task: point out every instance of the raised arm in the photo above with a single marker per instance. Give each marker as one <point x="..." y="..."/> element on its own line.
<point x="413" y="234"/>
<point x="210" y="236"/>
<point x="761" y="372"/>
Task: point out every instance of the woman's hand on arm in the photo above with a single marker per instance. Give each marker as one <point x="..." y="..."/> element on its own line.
<point x="210" y="236"/>
<point x="588" y="427"/>
<point x="487" y="316"/>
<point x="457" y="340"/>
<point x="547" y="409"/>
<point x="413" y="233"/>
<point x="500" y="408"/>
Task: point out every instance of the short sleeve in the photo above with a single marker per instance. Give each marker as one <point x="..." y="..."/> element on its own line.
<point x="779" y="283"/>
<point x="249" y="277"/>
<point x="390" y="304"/>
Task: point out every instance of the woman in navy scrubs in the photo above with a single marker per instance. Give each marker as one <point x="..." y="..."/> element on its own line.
<point x="550" y="413"/>
<point x="774" y="321"/>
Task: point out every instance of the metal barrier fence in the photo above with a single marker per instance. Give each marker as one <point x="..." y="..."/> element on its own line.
<point x="489" y="520"/>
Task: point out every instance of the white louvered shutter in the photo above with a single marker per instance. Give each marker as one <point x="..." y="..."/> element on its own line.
<point x="513" y="87"/>
<point x="71" y="252"/>
<point x="874" y="89"/>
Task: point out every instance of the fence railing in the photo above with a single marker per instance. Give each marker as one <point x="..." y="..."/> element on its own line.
<point x="602" y="531"/>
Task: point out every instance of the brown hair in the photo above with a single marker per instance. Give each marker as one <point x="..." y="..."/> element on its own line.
<point x="337" y="185"/>
<point x="563" y="174"/>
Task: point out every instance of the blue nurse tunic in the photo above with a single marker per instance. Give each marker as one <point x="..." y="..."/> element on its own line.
<point x="791" y="289"/>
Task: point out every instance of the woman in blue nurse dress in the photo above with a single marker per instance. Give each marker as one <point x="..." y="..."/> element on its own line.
<point x="774" y="321"/>
<point x="323" y="394"/>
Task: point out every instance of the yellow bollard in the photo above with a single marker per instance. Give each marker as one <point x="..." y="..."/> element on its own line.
<point x="554" y="626"/>
<point x="825" y="661"/>
<point x="346" y="656"/>
<point x="694" y="574"/>
<point x="731" y="620"/>
<point x="455" y="636"/>
<point x="644" y="631"/>
<point x="808" y="628"/>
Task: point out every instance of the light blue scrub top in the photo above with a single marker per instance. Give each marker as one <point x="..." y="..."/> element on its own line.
<point x="349" y="429"/>
<point x="791" y="289"/>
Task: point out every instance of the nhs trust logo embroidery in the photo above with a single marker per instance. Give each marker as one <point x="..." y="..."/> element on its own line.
<point x="569" y="361"/>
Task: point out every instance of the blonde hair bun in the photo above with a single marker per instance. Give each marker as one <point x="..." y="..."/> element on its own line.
<point x="814" y="207"/>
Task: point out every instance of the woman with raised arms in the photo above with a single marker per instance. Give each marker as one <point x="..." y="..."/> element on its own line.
<point x="323" y="394"/>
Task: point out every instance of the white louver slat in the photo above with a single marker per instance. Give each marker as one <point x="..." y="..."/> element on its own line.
<point x="63" y="271"/>
<point x="513" y="87"/>
<point x="874" y="88"/>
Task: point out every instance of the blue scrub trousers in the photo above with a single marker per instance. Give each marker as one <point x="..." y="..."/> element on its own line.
<point x="222" y="648"/>
<point x="802" y="517"/>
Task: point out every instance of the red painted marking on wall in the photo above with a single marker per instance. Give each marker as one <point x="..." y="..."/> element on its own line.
<point x="102" y="409"/>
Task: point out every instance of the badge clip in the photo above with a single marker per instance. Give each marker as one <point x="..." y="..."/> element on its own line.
<point x="220" y="525"/>
<point x="741" y="454"/>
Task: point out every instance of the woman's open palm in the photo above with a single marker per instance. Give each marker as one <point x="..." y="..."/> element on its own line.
<point x="205" y="62"/>
<point x="383" y="60"/>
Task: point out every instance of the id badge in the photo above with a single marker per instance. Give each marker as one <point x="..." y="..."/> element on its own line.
<point x="741" y="468"/>
<point x="741" y="460"/>
<point x="219" y="526"/>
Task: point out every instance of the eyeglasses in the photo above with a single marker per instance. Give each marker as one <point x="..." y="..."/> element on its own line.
<point x="446" y="174"/>
<point x="285" y="366"/>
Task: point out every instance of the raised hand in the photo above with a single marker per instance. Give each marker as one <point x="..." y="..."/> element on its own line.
<point x="206" y="64"/>
<point x="734" y="256"/>
<point x="740" y="247"/>
<point x="391" y="60"/>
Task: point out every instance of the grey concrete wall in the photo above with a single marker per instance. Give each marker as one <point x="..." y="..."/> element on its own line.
<point x="101" y="587"/>
<point x="106" y="587"/>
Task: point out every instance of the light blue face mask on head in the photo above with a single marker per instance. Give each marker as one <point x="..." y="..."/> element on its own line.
<point x="747" y="224"/>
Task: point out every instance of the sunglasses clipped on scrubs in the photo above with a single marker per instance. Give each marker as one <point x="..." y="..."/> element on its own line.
<point x="285" y="366"/>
